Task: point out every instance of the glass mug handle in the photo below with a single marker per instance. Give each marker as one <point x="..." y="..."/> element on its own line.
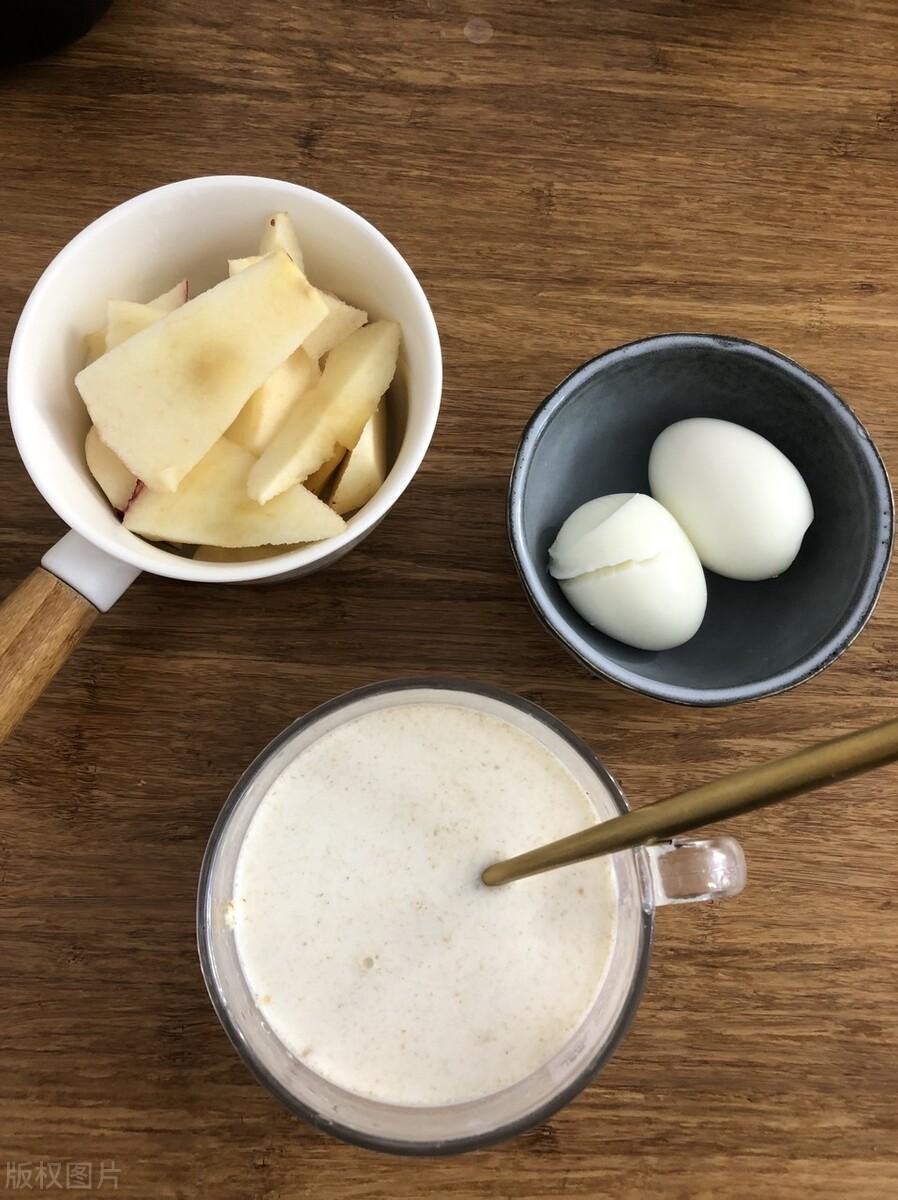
<point x="687" y="869"/>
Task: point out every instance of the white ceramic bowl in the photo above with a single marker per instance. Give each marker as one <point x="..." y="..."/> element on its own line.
<point x="143" y="247"/>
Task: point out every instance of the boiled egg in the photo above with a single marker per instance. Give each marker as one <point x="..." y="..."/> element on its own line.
<point x="741" y="502"/>
<point x="628" y="569"/>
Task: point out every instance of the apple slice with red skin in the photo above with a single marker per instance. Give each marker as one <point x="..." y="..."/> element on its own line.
<point x="162" y="398"/>
<point x="211" y="508"/>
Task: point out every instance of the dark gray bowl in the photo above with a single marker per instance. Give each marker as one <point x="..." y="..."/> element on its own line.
<point x="593" y="435"/>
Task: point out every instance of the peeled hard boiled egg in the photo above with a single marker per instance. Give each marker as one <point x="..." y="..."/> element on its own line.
<point x="741" y="502"/>
<point x="628" y="569"/>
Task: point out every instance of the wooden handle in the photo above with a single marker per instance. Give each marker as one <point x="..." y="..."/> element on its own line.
<point x="41" y="623"/>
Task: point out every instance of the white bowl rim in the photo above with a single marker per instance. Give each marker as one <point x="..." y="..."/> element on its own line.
<point x="186" y="568"/>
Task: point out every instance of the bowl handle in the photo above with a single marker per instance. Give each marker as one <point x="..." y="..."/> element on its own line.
<point x="45" y="618"/>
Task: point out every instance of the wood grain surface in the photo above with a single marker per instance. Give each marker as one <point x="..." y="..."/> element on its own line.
<point x="562" y="178"/>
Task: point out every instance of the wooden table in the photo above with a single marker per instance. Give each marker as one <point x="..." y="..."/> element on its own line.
<point x="563" y="178"/>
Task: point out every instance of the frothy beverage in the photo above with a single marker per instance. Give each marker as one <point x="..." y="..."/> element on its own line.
<point x="371" y="947"/>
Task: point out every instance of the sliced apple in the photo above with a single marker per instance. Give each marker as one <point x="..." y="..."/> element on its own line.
<point x="319" y="479"/>
<point x="96" y="343"/>
<point x="94" y="346"/>
<point x="263" y="414"/>
<point x="236" y="265"/>
<point x="356" y="375"/>
<point x="279" y="234"/>
<point x="364" y="469"/>
<point x="211" y="508"/>
<point x="341" y="320"/>
<point x="171" y="299"/>
<point x="110" y="472"/>
<point x="162" y="399"/>
<point x="240" y="554"/>
<point x="125" y="318"/>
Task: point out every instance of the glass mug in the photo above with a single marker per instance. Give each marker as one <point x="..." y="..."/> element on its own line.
<point x="666" y="873"/>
